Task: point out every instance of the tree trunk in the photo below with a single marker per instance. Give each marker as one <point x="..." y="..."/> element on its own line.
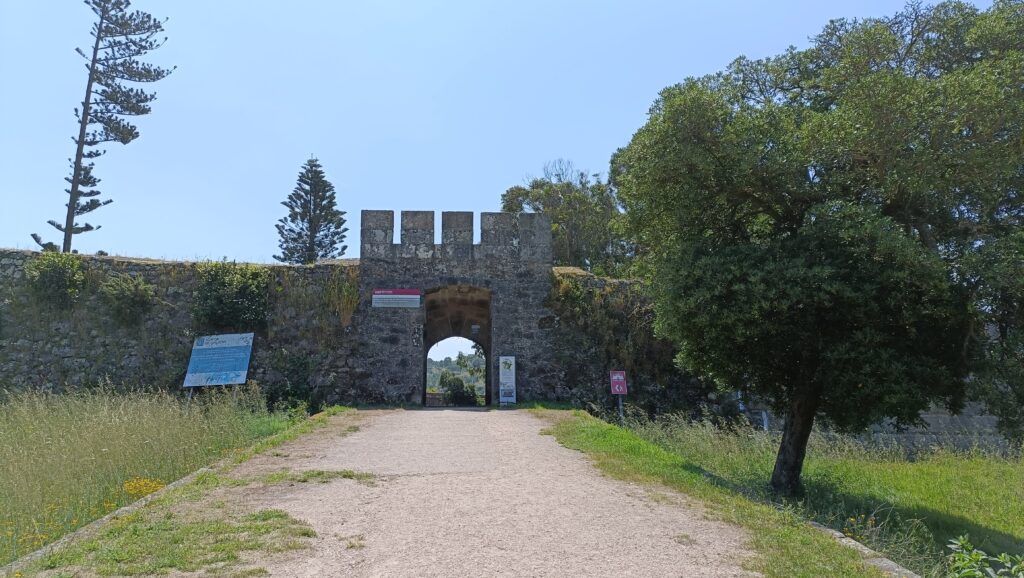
<point x="83" y="125"/>
<point x="797" y="429"/>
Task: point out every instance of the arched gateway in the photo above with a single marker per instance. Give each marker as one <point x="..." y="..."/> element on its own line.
<point x="417" y="293"/>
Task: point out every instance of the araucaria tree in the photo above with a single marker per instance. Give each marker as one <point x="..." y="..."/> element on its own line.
<point x="314" y="228"/>
<point x="838" y="230"/>
<point x="120" y="37"/>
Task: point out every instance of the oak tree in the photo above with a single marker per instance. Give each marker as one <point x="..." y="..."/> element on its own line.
<point x="838" y="230"/>
<point x="583" y="211"/>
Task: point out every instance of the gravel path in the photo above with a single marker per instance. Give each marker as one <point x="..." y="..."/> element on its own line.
<point x="480" y="493"/>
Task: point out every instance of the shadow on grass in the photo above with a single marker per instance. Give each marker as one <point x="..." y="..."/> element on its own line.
<point x="826" y="499"/>
<point x="828" y="503"/>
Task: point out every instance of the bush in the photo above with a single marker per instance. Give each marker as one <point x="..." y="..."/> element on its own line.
<point x="55" y="278"/>
<point x="231" y="297"/>
<point x="288" y="384"/>
<point x="130" y="297"/>
<point x="456" y="391"/>
<point x="966" y="561"/>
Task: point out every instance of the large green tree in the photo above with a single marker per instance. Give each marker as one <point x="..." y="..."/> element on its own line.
<point x="583" y="212"/>
<point x="838" y="229"/>
<point x="314" y="228"/>
<point x="120" y="37"/>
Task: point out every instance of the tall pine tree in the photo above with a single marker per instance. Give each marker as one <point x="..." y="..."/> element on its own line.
<point x="120" y="37"/>
<point x="314" y="228"/>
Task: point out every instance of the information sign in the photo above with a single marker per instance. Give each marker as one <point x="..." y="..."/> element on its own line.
<point x="404" y="298"/>
<point x="618" y="379"/>
<point x="506" y="379"/>
<point x="219" y="360"/>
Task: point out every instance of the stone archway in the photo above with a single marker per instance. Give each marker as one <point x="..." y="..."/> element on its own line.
<point x="457" y="311"/>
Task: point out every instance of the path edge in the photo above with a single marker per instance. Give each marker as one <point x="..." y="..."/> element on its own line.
<point x="89" y="529"/>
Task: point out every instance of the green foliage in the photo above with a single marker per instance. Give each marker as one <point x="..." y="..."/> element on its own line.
<point x="473" y="364"/>
<point x="341" y="295"/>
<point x="471" y="368"/>
<point x="966" y="561"/>
<point x="55" y="278"/>
<point x="120" y="37"/>
<point x="583" y="216"/>
<point x="456" y="391"/>
<point x="848" y="308"/>
<point x="314" y="227"/>
<point x="806" y="237"/>
<point x="289" y="384"/>
<point x="130" y="297"/>
<point x="231" y="296"/>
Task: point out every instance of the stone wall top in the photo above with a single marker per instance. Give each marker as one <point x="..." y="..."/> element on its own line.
<point x="523" y="236"/>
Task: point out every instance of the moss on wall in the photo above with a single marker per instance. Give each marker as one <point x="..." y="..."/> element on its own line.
<point x="307" y="336"/>
<point x="608" y="324"/>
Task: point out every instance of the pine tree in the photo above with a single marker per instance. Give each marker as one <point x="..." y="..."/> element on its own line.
<point x="120" y="38"/>
<point x="314" y="228"/>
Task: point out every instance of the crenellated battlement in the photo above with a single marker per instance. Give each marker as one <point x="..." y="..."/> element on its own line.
<point x="507" y="236"/>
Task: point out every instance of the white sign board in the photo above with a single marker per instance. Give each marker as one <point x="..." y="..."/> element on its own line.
<point x="396" y="298"/>
<point x="506" y="379"/>
<point x="219" y="360"/>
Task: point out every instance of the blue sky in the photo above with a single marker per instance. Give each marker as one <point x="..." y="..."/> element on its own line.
<point x="408" y="105"/>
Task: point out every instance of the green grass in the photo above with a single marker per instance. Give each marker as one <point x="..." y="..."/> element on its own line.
<point x="156" y="541"/>
<point x="907" y="509"/>
<point x="784" y="544"/>
<point x="65" y="459"/>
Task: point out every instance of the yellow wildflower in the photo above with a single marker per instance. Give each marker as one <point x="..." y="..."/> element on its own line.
<point x="138" y="487"/>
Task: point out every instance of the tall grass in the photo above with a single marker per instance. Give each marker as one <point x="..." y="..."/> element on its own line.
<point x="67" y="459"/>
<point x="907" y="507"/>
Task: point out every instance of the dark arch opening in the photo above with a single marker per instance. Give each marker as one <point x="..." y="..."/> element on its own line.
<point x="458" y="311"/>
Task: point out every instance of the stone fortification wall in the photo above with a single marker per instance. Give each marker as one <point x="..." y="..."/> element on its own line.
<point x="43" y="346"/>
<point x="506" y="278"/>
<point x="493" y="292"/>
<point x="608" y="324"/>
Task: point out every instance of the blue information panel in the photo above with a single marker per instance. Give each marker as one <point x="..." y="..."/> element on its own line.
<point x="219" y="360"/>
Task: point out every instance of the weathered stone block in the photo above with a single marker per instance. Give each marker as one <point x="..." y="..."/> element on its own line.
<point x="417" y="227"/>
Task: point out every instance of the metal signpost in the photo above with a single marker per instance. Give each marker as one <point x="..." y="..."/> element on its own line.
<point x="219" y="360"/>
<point x="618" y="379"/>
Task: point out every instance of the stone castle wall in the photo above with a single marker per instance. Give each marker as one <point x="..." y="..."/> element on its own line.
<point x="50" y="348"/>
<point x="511" y="266"/>
<point x="377" y="356"/>
<point x="565" y="327"/>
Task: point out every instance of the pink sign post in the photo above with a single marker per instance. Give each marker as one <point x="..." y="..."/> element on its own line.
<point x="618" y="380"/>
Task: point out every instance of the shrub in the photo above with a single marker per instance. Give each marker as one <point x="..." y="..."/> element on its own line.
<point x="55" y="278"/>
<point x="342" y="294"/>
<point x="130" y="297"/>
<point x="289" y="385"/>
<point x="230" y="296"/>
<point x="455" y="389"/>
<point x="967" y="561"/>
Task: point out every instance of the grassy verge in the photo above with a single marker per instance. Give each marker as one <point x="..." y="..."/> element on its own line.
<point x="908" y="509"/>
<point x="146" y="543"/>
<point x="785" y="545"/>
<point x="68" y="459"/>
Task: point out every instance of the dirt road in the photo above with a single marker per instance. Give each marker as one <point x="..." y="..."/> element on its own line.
<point x="478" y="493"/>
